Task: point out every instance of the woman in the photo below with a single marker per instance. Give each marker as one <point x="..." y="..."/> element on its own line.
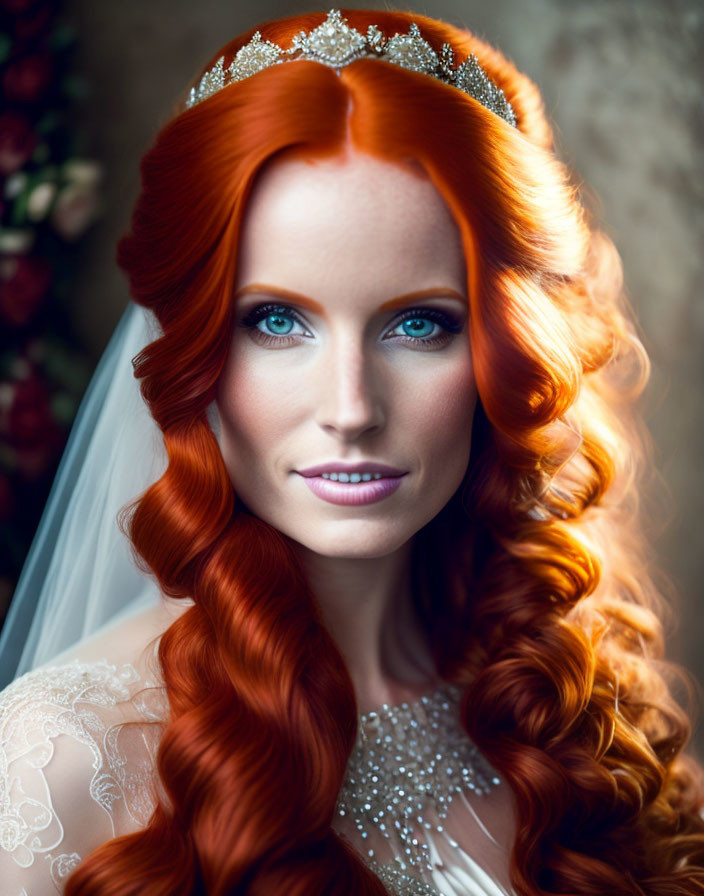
<point x="441" y="673"/>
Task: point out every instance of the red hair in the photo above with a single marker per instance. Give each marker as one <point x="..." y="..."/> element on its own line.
<point x="548" y="614"/>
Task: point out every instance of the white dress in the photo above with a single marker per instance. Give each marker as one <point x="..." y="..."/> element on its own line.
<point x="419" y="804"/>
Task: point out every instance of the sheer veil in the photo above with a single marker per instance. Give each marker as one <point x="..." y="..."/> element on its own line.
<point x="79" y="574"/>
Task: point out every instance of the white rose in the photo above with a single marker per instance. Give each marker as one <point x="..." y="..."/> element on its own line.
<point x="16" y="240"/>
<point x="74" y="209"/>
<point x="15" y="184"/>
<point x="40" y="200"/>
<point x="82" y="171"/>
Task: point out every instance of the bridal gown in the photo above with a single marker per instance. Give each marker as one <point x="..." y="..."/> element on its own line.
<point x="419" y="803"/>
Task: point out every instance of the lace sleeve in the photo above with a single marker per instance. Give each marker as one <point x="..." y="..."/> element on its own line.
<point x="72" y="773"/>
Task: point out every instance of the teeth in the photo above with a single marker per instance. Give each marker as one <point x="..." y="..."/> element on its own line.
<point x="351" y="477"/>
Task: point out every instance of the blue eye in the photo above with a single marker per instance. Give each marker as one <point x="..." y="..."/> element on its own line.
<point x="278" y="320"/>
<point x="281" y="324"/>
<point x="417" y="326"/>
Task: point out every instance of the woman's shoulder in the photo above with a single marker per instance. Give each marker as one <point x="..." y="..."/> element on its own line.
<point x="132" y="639"/>
<point x="78" y="743"/>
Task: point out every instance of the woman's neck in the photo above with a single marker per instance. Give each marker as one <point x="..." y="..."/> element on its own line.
<point x="368" y="609"/>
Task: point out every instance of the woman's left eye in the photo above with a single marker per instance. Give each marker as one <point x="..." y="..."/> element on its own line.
<point x="417" y="325"/>
<point x="275" y="325"/>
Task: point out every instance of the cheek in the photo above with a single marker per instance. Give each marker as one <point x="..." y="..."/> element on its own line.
<point x="439" y="414"/>
<point x="256" y="403"/>
<point x="246" y="422"/>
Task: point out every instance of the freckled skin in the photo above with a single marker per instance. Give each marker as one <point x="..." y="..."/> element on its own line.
<point x="349" y="233"/>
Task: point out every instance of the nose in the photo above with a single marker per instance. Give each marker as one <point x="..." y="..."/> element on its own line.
<point x="350" y="402"/>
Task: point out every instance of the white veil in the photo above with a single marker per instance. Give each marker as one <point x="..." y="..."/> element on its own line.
<point x="79" y="574"/>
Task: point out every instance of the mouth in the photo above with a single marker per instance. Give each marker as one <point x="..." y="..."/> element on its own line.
<point x="364" y="471"/>
<point x="354" y="489"/>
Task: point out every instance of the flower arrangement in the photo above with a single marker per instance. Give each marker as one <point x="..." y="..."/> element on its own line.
<point x="49" y="197"/>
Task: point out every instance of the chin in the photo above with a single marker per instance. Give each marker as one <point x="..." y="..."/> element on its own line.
<point x="364" y="544"/>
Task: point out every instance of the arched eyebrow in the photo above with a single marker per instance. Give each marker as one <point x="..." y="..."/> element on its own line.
<point x="297" y="298"/>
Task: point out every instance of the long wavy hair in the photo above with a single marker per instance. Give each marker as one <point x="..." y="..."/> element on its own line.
<point x="534" y="583"/>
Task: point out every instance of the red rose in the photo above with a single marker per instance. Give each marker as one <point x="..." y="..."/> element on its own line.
<point x="24" y="281"/>
<point x="29" y="414"/>
<point x="17" y="141"/>
<point x="28" y="425"/>
<point x="27" y="78"/>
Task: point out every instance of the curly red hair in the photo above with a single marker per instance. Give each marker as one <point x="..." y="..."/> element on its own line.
<point x="547" y="611"/>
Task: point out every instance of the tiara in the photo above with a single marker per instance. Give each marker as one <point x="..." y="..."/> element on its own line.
<point x="335" y="44"/>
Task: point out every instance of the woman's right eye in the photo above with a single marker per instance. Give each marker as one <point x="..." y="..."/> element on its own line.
<point x="274" y="324"/>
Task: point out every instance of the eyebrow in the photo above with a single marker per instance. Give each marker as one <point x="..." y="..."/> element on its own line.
<point x="311" y="305"/>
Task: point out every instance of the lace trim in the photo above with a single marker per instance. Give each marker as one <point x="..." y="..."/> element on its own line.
<point x="71" y="699"/>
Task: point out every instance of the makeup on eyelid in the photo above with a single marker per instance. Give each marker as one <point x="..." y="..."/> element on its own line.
<point x="297" y="298"/>
<point x="449" y="323"/>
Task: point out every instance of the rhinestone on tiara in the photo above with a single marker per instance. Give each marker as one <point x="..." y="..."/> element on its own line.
<point x="335" y="44"/>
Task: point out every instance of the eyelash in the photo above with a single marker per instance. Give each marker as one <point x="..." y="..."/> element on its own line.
<point x="448" y="322"/>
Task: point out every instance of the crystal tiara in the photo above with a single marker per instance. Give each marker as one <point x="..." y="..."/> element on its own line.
<point x="335" y="44"/>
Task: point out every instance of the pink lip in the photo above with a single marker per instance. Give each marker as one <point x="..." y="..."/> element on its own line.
<point x="341" y="467"/>
<point x="352" y="494"/>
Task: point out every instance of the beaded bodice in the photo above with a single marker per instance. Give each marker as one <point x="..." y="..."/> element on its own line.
<point x="408" y="764"/>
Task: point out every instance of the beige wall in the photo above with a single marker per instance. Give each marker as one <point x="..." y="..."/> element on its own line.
<point x="624" y="90"/>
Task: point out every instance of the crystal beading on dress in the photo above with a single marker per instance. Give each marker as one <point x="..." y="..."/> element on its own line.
<point x="335" y="44"/>
<point x="407" y="764"/>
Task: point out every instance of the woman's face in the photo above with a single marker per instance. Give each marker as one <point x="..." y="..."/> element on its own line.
<point x="351" y="347"/>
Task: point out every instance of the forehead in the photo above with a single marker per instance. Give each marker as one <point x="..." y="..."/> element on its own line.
<point x="348" y="228"/>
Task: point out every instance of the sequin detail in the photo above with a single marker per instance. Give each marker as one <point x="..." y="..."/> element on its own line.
<point x="407" y="764"/>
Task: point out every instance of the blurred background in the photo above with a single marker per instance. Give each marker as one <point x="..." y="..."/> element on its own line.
<point x="86" y="85"/>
